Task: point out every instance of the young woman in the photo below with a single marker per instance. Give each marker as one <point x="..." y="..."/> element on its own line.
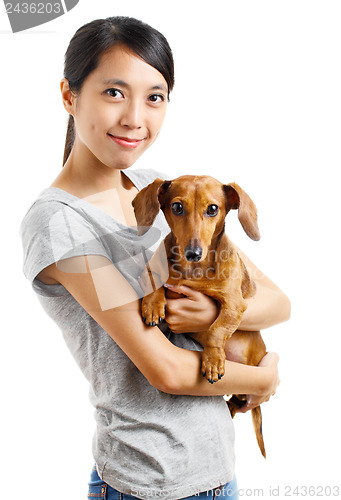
<point x="162" y="429"/>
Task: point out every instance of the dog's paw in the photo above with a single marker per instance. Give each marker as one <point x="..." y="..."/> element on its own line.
<point x="213" y="363"/>
<point x="153" y="309"/>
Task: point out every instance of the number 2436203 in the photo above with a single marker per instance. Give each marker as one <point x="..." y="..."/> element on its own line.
<point x="33" y="8"/>
<point x="312" y="491"/>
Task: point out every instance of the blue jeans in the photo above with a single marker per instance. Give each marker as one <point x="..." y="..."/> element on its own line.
<point x="100" y="489"/>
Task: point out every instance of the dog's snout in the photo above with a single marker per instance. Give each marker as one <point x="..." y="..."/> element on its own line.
<point x="193" y="253"/>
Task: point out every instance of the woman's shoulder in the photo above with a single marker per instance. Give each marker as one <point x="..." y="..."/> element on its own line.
<point x="54" y="218"/>
<point x="45" y="206"/>
<point x="56" y="227"/>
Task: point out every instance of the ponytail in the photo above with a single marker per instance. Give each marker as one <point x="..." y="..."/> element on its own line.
<point x="70" y="138"/>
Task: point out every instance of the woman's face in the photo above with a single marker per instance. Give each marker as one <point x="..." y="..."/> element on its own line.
<point x="120" y="109"/>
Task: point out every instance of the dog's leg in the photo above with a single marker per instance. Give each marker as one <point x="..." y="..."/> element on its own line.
<point x="154" y="276"/>
<point x="153" y="307"/>
<point x="154" y="302"/>
<point x="213" y="360"/>
<point x="248" y="348"/>
<point x="245" y="347"/>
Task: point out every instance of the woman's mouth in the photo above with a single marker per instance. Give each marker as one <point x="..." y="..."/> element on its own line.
<point x="126" y="142"/>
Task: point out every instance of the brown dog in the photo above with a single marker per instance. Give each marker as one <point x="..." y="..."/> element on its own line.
<point x="200" y="255"/>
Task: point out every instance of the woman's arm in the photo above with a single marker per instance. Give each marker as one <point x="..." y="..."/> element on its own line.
<point x="196" y="312"/>
<point x="269" y="306"/>
<point x="104" y="293"/>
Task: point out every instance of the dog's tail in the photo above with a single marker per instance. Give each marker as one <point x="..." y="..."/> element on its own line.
<point x="257" y="425"/>
<point x="236" y="402"/>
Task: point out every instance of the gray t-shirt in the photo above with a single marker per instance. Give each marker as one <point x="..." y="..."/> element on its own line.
<point x="147" y="443"/>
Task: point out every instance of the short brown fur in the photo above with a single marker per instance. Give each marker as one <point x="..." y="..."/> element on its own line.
<point x="220" y="272"/>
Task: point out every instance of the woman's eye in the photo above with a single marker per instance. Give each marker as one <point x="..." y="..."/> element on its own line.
<point x="156" y="98"/>
<point x="212" y="210"/>
<point x="177" y="208"/>
<point x="114" y="93"/>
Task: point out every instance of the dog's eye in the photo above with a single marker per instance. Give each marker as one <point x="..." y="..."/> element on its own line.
<point x="177" y="208"/>
<point x="212" y="210"/>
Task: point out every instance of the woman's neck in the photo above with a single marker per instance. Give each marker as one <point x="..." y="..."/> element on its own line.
<point x="83" y="176"/>
<point x="106" y="188"/>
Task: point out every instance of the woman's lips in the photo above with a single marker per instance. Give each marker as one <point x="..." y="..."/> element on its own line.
<point x="126" y="142"/>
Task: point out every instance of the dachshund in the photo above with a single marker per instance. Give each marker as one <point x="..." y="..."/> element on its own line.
<point x="200" y="255"/>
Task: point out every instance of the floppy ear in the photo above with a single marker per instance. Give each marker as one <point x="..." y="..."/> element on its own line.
<point x="148" y="202"/>
<point x="247" y="211"/>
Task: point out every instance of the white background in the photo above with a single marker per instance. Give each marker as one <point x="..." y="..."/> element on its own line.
<point x="257" y="101"/>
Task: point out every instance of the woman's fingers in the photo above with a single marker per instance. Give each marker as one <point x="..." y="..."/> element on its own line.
<point x="183" y="290"/>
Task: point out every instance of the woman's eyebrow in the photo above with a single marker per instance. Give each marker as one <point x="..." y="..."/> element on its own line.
<point x="115" y="82"/>
<point x="159" y="87"/>
<point x="122" y="83"/>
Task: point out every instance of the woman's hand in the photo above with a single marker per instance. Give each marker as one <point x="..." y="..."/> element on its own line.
<point x="269" y="363"/>
<point x="193" y="313"/>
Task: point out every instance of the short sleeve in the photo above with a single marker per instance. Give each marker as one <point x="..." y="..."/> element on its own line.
<point x="52" y="231"/>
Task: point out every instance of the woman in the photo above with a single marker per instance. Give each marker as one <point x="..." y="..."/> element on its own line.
<point x="83" y="257"/>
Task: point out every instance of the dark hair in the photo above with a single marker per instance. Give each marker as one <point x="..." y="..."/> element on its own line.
<point x="92" y="40"/>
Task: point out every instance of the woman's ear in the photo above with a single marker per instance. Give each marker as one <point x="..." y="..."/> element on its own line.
<point x="68" y="96"/>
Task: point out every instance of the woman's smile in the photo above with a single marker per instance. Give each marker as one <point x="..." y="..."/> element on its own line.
<point x="126" y="142"/>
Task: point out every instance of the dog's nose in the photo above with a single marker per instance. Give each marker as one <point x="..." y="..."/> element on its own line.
<point x="193" y="254"/>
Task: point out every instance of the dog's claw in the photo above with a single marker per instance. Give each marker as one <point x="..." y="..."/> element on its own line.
<point x="144" y="319"/>
<point x="153" y="308"/>
<point x="213" y="363"/>
<point x="203" y="374"/>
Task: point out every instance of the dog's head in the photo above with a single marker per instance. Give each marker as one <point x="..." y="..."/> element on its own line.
<point x="195" y="208"/>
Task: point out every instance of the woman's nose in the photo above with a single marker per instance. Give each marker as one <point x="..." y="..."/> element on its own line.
<point x="132" y="116"/>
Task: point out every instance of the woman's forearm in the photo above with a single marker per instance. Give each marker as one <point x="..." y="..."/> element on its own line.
<point x="267" y="308"/>
<point x="184" y="377"/>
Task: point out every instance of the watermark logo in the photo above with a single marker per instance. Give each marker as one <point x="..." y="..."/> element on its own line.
<point x="23" y="15"/>
<point x="118" y="259"/>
